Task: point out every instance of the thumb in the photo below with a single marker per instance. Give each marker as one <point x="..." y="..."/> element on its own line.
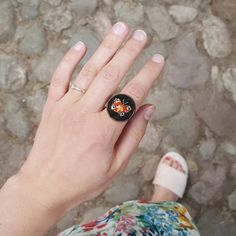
<point x="131" y="136"/>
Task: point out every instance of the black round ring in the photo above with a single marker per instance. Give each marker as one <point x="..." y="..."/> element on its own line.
<point x="121" y="107"/>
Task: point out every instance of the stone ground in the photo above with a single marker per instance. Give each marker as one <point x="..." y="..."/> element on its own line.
<point x="195" y="98"/>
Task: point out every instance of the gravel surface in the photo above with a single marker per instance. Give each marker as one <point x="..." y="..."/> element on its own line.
<point x="195" y="98"/>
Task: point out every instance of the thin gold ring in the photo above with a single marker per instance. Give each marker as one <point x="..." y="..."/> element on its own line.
<point x="75" y="87"/>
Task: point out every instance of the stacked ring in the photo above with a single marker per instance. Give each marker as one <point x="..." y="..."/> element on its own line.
<point x="121" y="107"/>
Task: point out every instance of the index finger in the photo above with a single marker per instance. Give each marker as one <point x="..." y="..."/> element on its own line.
<point x="139" y="87"/>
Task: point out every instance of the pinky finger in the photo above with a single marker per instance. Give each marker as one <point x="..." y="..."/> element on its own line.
<point x="131" y="136"/>
<point x="62" y="75"/>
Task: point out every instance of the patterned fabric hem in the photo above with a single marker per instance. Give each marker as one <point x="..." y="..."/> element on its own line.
<point x="134" y="218"/>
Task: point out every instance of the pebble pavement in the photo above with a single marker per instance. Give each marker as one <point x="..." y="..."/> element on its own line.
<point x="195" y="98"/>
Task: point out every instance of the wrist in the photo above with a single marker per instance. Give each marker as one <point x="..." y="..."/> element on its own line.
<point x="35" y="192"/>
<point x="24" y="208"/>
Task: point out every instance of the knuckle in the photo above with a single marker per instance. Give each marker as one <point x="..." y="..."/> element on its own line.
<point x="110" y="72"/>
<point x="55" y="91"/>
<point x="52" y="94"/>
<point x="135" y="91"/>
<point x="76" y="117"/>
<point x="68" y="60"/>
<point x="88" y="70"/>
<point x="97" y="142"/>
<point x="152" y="69"/>
<point x="108" y="44"/>
<point x="137" y="135"/>
<point x="56" y="80"/>
<point x="133" y="48"/>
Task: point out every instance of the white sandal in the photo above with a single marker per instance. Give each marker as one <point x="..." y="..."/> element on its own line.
<point x="170" y="178"/>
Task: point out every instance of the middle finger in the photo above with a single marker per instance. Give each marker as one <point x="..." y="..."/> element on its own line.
<point x="101" y="57"/>
<point x="110" y="76"/>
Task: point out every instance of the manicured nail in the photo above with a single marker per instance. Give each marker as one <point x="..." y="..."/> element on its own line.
<point x="78" y="46"/>
<point x="149" y="112"/>
<point x="119" y="28"/>
<point x="139" y="35"/>
<point x="158" y="58"/>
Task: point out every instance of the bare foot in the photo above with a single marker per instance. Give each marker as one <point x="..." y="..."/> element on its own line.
<point x="161" y="194"/>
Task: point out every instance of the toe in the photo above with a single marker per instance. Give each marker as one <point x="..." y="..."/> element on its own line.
<point x="178" y="166"/>
<point x="175" y="165"/>
<point x="181" y="169"/>
<point x="167" y="161"/>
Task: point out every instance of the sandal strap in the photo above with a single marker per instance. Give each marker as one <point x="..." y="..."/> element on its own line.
<point x="170" y="178"/>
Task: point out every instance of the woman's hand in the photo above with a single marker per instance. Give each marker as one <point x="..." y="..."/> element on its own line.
<point x="79" y="149"/>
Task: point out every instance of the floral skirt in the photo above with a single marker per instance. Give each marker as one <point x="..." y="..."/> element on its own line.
<point x="139" y="218"/>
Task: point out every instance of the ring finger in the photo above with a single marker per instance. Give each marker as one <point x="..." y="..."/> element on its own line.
<point x="103" y="54"/>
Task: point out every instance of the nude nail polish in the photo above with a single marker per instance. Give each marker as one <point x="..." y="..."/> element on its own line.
<point x="158" y="58"/>
<point x="149" y="112"/>
<point x="119" y="28"/>
<point x="78" y="46"/>
<point x="139" y="35"/>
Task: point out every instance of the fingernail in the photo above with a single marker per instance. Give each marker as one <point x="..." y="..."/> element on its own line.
<point x="158" y="58"/>
<point x="139" y="35"/>
<point x="119" y="28"/>
<point x="149" y="112"/>
<point x="78" y="46"/>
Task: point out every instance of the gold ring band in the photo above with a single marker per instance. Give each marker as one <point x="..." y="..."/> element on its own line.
<point x="75" y="87"/>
